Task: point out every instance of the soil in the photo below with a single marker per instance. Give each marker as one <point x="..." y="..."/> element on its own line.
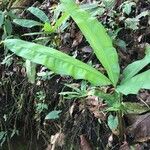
<point x="77" y="127"/>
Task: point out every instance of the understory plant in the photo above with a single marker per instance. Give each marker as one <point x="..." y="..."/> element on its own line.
<point x="130" y="81"/>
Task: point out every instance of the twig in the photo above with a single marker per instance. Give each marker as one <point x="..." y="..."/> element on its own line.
<point x="10" y="4"/>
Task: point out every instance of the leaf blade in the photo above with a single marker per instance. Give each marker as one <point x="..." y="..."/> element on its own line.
<point x="96" y="35"/>
<point x="39" y="14"/>
<point x="27" y="23"/>
<point x="56" y="61"/>
<point x="133" y="68"/>
<point x="133" y="85"/>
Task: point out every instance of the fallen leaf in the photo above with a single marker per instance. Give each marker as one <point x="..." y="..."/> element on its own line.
<point x="71" y="109"/>
<point x="139" y="128"/>
<point x="124" y="146"/>
<point x="78" y="39"/>
<point x="84" y="144"/>
<point x="86" y="49"/>
<point x="53" y="114"/>
<point x="96" y="107"/>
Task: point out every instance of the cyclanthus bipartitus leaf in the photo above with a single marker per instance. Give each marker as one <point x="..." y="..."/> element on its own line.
<point x="97" y="37"/>
<point x="56" y="61"/>
<point x="39" y="14"/>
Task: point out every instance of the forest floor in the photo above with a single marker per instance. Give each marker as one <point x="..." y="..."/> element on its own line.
<point x="81" y="123"/>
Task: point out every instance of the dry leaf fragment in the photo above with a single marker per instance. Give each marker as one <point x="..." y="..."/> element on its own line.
<point x="57" y="140"/>
<point x="78" y="39"/>
<point x="140" y="129"/>
<point x="84" y="144"/>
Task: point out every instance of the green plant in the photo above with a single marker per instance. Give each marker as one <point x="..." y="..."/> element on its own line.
<point x="46" y="28"/>
<point x="77" y="91"/>
<point x="131" y="23"/>
<point x="3" y="136"/>
<point x="44" y="22"/>
<point x="131" y="82"/>
<point x="5" y="23"/>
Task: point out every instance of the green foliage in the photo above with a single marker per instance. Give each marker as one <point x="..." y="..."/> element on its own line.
<point x="53" y="114"/>
<point x="27" y="23"/>
<point x="109" y="3"/>
<point x="97" y="37"/>
<point x="65" y="65"/>
<point x="45" y="75"/>
<point x="77" y="92"/>
<point x="6" y="18"/>
<point x="39" y="14"/>
<point x="113" y="122"/>
<point x="46" y="25"/>
<point x="136" y="66"/>
<point x="133" y="23"/>
<point x="3" y="136"/>
<point x="133" y="85"/>
<point x="111" y="99"/>
<point x="56" y="61"/>
<point x="60" y="21"/>
<point x="40" y="103"/>
<point x="127" y="7"/>
<point x="93" y="9"/>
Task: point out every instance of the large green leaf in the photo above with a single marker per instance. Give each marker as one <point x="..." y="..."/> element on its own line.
<point x="133" y="85"/>
<point x="96" y="35"/>
<point x="39" y="13"/>
<point x="60" y="21"/>
<point x="56" y="61"/>
<point x="136" y="66"/>
<point x="27" y="23"/>
<point x="112" y="122"/>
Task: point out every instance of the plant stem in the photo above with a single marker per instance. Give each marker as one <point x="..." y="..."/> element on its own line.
<point x="121" y="125"/>
<point x="10" y="4"/>
<point x="121" y="122"/>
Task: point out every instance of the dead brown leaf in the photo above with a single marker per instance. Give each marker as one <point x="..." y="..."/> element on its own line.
<point x="139" y="128"/>
<point x="78" y="39"/>
<point x="84" y="144"/>
<point x="57" y="140"/>
<point x="96" y="107"/>
<point x="124" y="146"/>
